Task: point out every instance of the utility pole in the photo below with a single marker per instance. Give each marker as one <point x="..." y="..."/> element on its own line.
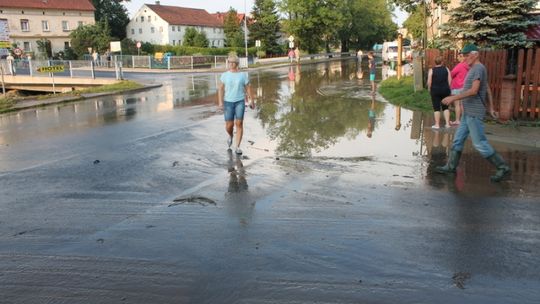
<point x="245" y="30"/>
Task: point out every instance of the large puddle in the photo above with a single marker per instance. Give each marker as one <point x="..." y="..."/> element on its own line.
<point x="319" y="111"/>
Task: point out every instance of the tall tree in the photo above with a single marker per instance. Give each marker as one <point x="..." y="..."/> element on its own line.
<point x="415" y="22"/>
<point x="115" y="14"/>
<point x="265" y="26"/>
<point x="426" y="9"/>
<point x="189" y="37"/>
<point x="313" y="23"/>
<point x="234" y="35"/>
<point x="411" y="5"/>
<point x="367" y="22"/>
<point x="201" y="40"/>
<point x="491" y="23"/>
<point x="96" y="36"/>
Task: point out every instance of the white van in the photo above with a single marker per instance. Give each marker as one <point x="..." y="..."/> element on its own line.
<point x="390" y="52"/>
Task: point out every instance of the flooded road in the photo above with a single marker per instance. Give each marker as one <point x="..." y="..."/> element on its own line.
<point x="134" y="199"/>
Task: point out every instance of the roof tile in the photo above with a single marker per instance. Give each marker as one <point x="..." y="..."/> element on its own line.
<point x="184" y="16"/>
<point x="72" y="5"/>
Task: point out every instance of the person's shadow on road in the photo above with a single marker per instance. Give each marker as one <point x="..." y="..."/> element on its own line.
<point x="238" y="201"/>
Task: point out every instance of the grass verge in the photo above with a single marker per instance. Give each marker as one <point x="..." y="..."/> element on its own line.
<point x="401" y="92"/>
<point x="119" y="86"/>
<point x="123" y="85"/>
<point x="6" y="103"/>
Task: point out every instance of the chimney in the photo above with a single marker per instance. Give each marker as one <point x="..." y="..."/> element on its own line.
<point x="157" y="2"/>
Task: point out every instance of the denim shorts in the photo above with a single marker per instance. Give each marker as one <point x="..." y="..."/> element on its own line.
<point x="456" y="91"/>
<point x="234" y="110"/>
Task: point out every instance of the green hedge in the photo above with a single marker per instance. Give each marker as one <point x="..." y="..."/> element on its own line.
<point x="188" y="50"/>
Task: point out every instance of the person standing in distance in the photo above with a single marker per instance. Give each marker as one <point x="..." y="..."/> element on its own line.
<point x="473" y="98"/>
<point x="372" y="70"/>
<point x="233" y="90"/>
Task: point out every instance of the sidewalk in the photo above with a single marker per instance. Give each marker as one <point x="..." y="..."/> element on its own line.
<point x="518" y="135"/>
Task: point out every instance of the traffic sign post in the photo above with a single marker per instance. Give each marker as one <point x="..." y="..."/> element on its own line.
<point x="51" y="69"/>
<point x="18" y="51"/>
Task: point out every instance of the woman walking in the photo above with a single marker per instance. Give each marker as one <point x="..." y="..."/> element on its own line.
<point x="234" y="90"/>
<point x="439" y="87"/>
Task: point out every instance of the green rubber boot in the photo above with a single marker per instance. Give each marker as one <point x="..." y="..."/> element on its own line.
<point x="503" y="170"/>
<point x="451" y="165"/>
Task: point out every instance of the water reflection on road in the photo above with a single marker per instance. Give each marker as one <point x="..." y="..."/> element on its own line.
<point x="317" y="112"/>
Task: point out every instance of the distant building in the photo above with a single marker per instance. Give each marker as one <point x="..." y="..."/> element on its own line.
<point x="439" y="17"/>
<point x="32" y="20"/>
<point x="241" y="20"/>
<point x="163" y="24"/>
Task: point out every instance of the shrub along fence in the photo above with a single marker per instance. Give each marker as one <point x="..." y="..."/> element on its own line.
<point x="514" y="80"/>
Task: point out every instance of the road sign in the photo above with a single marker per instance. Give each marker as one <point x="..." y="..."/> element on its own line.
<point x="51" y="69"/>
<point x="138" y="44"/>
<point x="291" y="38"/>
<point x="257" y="43"/>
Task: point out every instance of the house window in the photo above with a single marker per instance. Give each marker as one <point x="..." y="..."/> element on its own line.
<point x="149" y="18"/>
<point x="173" y="28"/>
<point x="152" y="30"/>
<point x="80" y="23"/>
<point x="174" y="42"/>
<point x="26" y="46"/>
<point x="65" y="26"/>
<point x="45" y="25"/>
<point x="161" y="29"/>
<point x="66" y="45"/>
<point x="132" y="31"/>
<point x="25" y="26"/>
<point x="140" y="30"/>
<point x="142" y="18"/>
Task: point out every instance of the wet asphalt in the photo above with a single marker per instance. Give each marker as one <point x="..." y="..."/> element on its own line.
<point x="135" y="199"/>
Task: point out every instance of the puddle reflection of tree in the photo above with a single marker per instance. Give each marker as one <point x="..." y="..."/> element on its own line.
<point x="307" y="121"/>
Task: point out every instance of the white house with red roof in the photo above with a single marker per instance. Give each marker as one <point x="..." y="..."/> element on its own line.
<point x="31" y="20"/>
<point x="163" y="24"/>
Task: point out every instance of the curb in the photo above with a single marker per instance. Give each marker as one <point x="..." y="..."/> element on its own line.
<point x="29" y="104"/>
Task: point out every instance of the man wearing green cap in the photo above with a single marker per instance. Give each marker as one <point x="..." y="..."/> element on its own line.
<point x="474" y="109"/>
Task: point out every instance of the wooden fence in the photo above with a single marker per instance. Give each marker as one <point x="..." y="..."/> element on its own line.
<point x="526" y="104"/>
<point x="515" y="92"/>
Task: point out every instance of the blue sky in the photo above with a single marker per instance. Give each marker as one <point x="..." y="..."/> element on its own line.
<point x="213" y="6"/>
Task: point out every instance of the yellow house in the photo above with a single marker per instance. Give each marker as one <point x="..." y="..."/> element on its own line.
<point x="24" y="22"/>
<point x="438" y="17"/>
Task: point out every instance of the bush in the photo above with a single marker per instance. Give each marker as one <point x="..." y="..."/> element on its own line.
<point x="179" y="50"/>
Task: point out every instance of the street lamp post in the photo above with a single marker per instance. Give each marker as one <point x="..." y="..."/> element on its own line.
<point x="245" y="29"/>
